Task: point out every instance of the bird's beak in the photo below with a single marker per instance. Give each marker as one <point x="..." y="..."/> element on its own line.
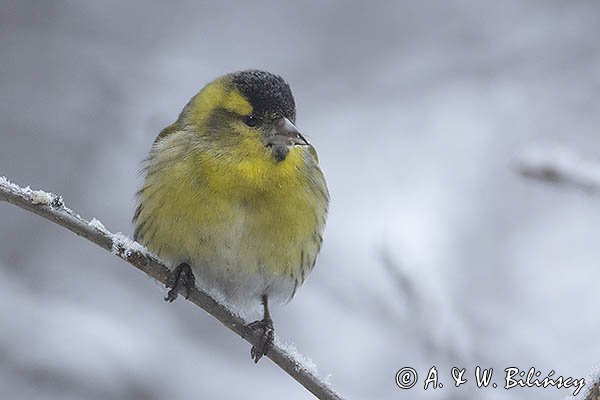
<point x="286" y="134"/>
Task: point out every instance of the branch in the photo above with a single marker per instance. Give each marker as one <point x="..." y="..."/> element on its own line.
<point x="594" y="393"/>
<point x="561" y="166"/>
<point x="52" y="207"/>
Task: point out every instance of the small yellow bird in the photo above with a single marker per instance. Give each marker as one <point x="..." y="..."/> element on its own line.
<point x="234" y="193"/>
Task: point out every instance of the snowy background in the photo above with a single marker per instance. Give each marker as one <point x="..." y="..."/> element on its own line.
<point x="436" y="252"/>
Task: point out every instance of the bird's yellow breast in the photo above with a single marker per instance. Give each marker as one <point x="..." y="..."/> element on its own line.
<point x="239" y="212"/>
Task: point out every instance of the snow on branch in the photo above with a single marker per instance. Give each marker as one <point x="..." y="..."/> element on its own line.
<point x="562" y="166"/>
<point x="591" y="391"/>
<point x="594" y="393"/>
<point x="52" y="207"/>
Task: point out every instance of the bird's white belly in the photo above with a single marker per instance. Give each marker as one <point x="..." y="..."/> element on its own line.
<point x="229" y="269"/>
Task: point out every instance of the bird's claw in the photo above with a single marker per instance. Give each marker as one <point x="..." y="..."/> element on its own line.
<point x="181" y="276"/>
<point x="265" y="329"/>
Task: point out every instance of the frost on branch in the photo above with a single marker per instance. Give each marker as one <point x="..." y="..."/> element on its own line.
<point x="591" y="390"/>
<point x="36" y="197"/>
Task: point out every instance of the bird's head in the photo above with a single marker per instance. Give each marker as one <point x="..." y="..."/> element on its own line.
<point x="252" y="107"/>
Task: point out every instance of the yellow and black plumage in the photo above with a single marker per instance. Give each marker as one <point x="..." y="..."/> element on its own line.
<point x="234" y="191"/>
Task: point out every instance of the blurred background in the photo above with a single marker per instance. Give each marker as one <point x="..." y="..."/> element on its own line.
<point x="437" y="252"/>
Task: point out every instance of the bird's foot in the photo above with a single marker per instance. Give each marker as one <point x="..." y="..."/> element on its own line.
<point x="181" y="276"/>
<point x="264" y="328"/>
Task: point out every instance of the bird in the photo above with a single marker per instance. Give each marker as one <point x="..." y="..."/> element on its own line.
<point x="234" y="196"/>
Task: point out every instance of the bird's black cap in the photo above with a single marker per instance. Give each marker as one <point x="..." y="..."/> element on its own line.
<point x="269" y="94"/>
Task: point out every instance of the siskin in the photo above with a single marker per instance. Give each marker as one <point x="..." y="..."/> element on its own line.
<point x="234" y="195"/>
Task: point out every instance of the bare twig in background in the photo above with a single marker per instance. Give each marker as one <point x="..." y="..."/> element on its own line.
<point x="559" y="165"/>
<point x="51" y="207"/>
<point x="562" y="166"/>
<point x="402" y="280"/>
<point x="422" y="322"/>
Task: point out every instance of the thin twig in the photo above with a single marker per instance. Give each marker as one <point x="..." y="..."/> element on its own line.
<point x="560" y="166"/>
<point x="51" y="207"/>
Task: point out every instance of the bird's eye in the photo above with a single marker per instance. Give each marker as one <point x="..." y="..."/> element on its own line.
<point x="250" y="120"/>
